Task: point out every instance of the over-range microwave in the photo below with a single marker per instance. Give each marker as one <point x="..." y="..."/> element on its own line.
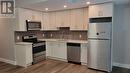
<point x="33" y="25"/>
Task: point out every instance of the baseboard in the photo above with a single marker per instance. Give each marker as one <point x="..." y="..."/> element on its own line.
<point x="57" y="59"/>
<point x="121" y="65"/>
<point x="83" y="63"/>
<point x="8" y="61"/>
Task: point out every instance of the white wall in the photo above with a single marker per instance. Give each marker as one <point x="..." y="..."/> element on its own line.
<point x="6" y="39"/>
<point x="122" y="35"/>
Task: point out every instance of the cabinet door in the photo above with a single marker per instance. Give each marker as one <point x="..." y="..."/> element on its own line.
<point x="49" y="46"/>
<point x="55" y="49"/>
<point x="59" y="19"/>
<point x="85" y="19"/>
<point x="101" y="10"/>
<point x="52" y="20"/>
<point x="36" y="16"/>
<point x="46" y="22"/>
<point x="107" y="9"/>
<point x="73" y="20"/>
<point x="84" y="53"/>
<point x="93" y="11"/>
<point x="65" y="18"/>
<point x="77" y="19"/>
<point x="59" y="50"/>
<point x="62" y="50"/>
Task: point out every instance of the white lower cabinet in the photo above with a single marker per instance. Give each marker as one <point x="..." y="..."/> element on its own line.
<point x="23" y="54"/>
<point x="49" y="46"/>
<point x="84" y="53"/>
<point x="56" y="49"/>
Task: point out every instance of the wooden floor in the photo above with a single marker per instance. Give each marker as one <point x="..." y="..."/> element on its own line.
<point x="53" y="66"/>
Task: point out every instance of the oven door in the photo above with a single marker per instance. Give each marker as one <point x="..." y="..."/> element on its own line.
<point x="38" y="49"/>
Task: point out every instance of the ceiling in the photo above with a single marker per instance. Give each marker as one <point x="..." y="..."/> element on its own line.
<point x="54" y="5"/>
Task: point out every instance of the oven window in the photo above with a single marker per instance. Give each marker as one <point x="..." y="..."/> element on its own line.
<point x="39" y="49"/>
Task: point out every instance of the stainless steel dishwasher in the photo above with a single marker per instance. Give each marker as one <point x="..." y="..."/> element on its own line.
<point x="73" y="53"/>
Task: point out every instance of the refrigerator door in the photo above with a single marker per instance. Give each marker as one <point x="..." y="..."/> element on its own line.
<point x="99" y="55"/>
<point x="100" y="30"/>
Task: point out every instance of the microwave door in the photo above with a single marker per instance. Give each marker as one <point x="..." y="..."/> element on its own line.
<point x="100" y="30"/>
<point x="34" y="26"/>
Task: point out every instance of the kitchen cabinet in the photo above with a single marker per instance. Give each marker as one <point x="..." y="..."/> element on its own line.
<point x="23" y="53"/>
<point x="49" y="21"/>
<point x="62" y="48"/>
<point x="59" y="17"/>
<point x="101" y="10"/>
<point x="63" y="18"/>
<point x="52" y="20"/>
<point x="25" y="14"/>
<point x="57" y="50"/>
<point x="84" y="53"/>
<point x="36" y="16"/>
<point x="49" y="46"/>
<point x="85" y="19"/>
<point x="78" y="18"/>
<point x="46" y="22"/>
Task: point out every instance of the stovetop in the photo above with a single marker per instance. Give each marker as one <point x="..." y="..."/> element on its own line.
<point x="32" y="39"/>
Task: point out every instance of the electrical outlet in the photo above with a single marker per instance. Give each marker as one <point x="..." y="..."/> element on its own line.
<point x="80" y="36"/>
<point x="51" y="35"/>
<point x="43" y="35"/>
<point x="18" y="37"/>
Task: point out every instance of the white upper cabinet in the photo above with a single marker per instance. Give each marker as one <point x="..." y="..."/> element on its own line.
<point x="25" y="14"/>
<point x="79" y="19"/>
<point x="63" y="18"/>
<point x="52" y="17"/>
<point x="45" y="21"/>
<point x="85" y="19"/>
<point x="36" y="16"/>
<point x="49" y="21"/>
<point x="76" y="19"/>
<point x="59" y="18"/>
<point x="101" y="10"/>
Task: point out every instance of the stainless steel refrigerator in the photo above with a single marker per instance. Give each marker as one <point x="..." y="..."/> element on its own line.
<point x="99" y="44"/>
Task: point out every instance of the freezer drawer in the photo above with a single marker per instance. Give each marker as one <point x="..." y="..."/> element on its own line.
<point x="99" y="55"/>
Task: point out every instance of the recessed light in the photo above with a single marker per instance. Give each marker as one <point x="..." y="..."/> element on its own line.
<point x="46" y="9"/>
<point x="87" y="3"/>
<point x="65" y="6"/>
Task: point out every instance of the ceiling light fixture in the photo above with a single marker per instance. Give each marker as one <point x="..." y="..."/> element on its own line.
<point x="65" y="6"/>
<point x="46" y="9"/>
<point x="87" y="3"/>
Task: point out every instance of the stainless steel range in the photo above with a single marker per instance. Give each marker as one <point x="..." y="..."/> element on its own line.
<point x="38" y="48"/>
